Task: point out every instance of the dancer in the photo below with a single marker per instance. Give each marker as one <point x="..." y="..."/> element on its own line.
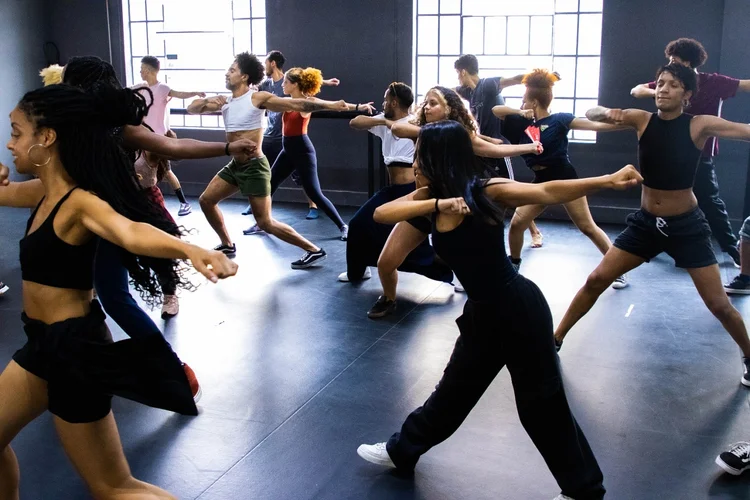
<point x="506" y="319"/>
<point x="272" y="138"/>
<point x="554" y="163"/>
<point x="157" y="116"/>
<point x="298" y="153"/>
<point x="440" y="103"/>
<point x="741" y="283"/>
<point x="110" y="273"/>
<point x="713" y="89"/>
<point x="251" y="174"/>
<point x="367" y="238"/>
<point x="64" y="137"/>
<point x="669" y="220"/>
<point x="483" y="94"/>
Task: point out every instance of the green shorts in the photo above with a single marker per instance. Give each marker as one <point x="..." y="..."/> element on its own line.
<point x="252" y="177"/>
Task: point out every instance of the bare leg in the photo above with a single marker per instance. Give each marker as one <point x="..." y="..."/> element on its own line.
<point x="522" y="219"/>
<point x="536" y="235"/>
<point x="708" y="282"/>
<point x="216" y="191"/>
<point x="401" y="242"/>
<point x="96" y="453"/>
<point x="615" y="263"/>
<point x="172" y="179"/>
<point x="579" y="213"/>
<point x="262" y="212"/>
<point x="23" y="397"/>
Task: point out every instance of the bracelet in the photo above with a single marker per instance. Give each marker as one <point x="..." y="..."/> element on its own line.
<point x="356" y="108"/>
<point x="437" y="210"/>
<point x="226" y="150"/>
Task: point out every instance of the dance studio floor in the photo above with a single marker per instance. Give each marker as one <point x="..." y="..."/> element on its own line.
<point x="295" y="377"/>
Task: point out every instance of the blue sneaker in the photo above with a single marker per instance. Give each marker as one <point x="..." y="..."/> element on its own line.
<point x="254" y="229"/>
<point x="312" y="214"/>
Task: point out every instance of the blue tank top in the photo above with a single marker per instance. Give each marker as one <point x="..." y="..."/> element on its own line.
<point x="475" y="251"/>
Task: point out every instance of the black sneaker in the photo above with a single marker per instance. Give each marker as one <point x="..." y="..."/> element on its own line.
<point x="309" y="259"/>
<point x="736" y="460"/>
<point x="740" y="285"/>
<point x="746" y="376"/>
<point x="734" y="253"/>
<point x="226" y="249"/>
<point x="383" y="307"/>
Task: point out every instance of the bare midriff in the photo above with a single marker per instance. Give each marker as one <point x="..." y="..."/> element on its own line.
<point x="253" y="135"/>
<point x="50" y="304"/>
<point x="401" y="175"/>
<point x="667" y="203"/>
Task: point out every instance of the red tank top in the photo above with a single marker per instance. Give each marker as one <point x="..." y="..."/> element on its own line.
<point x="294" y="124"/>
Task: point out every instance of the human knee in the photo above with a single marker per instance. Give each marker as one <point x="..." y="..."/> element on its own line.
<point x="519" y="224"/>
<point x="388" y="262"/>
<point x="206" y="201"/>
<point x="265" y="224"/>
<point x="597" y="282"/>
<point x="720" y="307"/>
<point x="588" y="230"/>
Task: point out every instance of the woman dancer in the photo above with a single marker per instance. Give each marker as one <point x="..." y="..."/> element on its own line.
<point x="554" y="163"/>
<point x="669" y="220"/>
<point x="110" y="274"/>
<point x="69" y="366"/>
<point x="298" y="153"/>
<point x="440" y="103"/>
<point x="506" y="319"/>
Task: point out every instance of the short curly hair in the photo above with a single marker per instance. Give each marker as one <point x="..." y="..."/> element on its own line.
<point x="458" y="111"/>
<point x="689" y="50"/>
<point x="539" y="85"/>
<point x="250" y="65"/>
<point x="309" y="80"/>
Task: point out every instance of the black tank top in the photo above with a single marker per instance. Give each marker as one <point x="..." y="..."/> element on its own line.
<point x="475" y="251"/>
<point x="48" y="260"/>
<point x="667" y="155"/>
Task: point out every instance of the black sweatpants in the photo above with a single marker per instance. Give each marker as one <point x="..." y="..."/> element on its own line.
<point x="706" y="189"/>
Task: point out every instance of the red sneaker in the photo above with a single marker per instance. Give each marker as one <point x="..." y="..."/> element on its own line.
<point x="193" y="380"/>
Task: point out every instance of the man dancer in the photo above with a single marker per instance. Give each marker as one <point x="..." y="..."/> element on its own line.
<point x="274" y="66"/>
<point x="157" y="116"/>
<point x="367" y="237"/>
<point x="251" y="174"/>
<point x="670" y="143"/>
<point x="483" y="94"/>
<point x="713" y="89"/>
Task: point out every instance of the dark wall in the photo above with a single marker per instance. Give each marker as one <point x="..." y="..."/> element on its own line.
<point x="21" y="43"/>
<point x="369" y="44"/>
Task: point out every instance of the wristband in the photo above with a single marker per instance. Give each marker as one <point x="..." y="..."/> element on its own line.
<point x="356" y="108"/>
<point x="226" y="150"/>
<point x="437" y="210"/>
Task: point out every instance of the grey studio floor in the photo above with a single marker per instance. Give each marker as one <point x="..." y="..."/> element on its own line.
<point x="295" y="377"/>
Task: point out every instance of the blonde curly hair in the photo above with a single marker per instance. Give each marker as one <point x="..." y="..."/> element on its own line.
<point x="51" y="75"/>
<point x="309" y="80"/>
<point x="457" y="110"/>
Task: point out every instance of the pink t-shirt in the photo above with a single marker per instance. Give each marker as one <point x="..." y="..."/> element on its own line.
<point x="156" y="118"/>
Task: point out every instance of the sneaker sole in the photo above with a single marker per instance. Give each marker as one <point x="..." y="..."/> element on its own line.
<point x="310" y="264"/>
<point x="182" y="214"/>
<point x="198" y="395"/>
<point x="374" y="459"/>
<point x="620" y="286"/>
<point x="721" y="463"/>
<point x="4" y="289"/>
<point x="734" y="291"/>
<point x="252" y="233"/>
<point x="383" y="314"/>
<point x="745" y="382"/>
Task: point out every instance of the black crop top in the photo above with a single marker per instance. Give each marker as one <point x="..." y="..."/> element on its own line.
<point x="667" y="155"/>
<point x="475" y="251"/>
<point x="49" y="261"/>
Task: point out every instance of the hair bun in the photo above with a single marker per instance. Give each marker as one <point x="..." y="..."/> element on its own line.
<point x="541" y="78"/>
<point x="119" y="107"/>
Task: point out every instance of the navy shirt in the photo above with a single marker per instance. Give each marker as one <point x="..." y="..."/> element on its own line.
<point x="554" y="137"/>
<point x="274" y="119"/>
<point x="482" y="99"/>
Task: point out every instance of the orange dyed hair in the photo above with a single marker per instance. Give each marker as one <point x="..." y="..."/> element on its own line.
<point x="309" y="80"/>
<point x="539" y="85"/>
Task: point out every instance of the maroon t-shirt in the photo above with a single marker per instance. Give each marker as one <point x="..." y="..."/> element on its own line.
<point x="713" y="88"/>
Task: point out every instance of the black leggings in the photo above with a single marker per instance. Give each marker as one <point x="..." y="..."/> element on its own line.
<point x="298" y="155"/>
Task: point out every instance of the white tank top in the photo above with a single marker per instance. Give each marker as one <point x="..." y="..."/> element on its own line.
<point x="240" y="114"/>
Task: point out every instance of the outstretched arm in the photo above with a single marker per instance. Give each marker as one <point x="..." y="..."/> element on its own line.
<point x="271" y="102"/>
<point x="363" y="122"/>
<point x="141" y="138"/>
<point x="517" y="194"/>
<point x="513" y="80"/>
<point x="185" y="95"/>
<point x="713" y="126"/>
<point x="744" y="86"/>
<point x="143" y="239"/>
<point x="643" y="91"/>
<point x="630" y="118"/>
<point x="331" y="82"/>
<point x="25" y="194"/>
<point x="503" y="111"/>
<point x="490" y="150"/>
<point x="405" y="130"/>
<point x="209" y="105"/>
<point x="586" y="124"/>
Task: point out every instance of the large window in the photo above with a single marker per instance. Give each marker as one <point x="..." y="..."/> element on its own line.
<point x="511" y="37"/>
<point x="195" y="40"/>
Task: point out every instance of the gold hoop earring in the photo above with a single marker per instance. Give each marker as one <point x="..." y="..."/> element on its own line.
<point x="49" y="156"/>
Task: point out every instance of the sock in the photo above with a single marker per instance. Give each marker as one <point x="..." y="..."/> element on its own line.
<point x="514" y="260"/>
<point x="180" y="195"/>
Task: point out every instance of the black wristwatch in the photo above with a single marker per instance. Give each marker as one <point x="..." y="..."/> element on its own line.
<point x="226" y="150"/>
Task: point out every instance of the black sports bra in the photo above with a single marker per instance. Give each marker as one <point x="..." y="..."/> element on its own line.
<point x="667" y="155"/>
<point x="49" y="261"/>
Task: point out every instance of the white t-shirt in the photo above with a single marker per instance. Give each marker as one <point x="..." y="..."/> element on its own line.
<point x="156" y="118"/>
<point x="240" y="113"/>
<point x="395" y="149"/>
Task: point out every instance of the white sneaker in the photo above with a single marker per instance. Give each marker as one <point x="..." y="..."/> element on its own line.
<point x="344" y="277"/>
<point x="458" y="287"/>
<point x="170" y="307"/>
<point x="376" y="454"/>
<point x="563" y="497"/>
<point x="620" y="282"/>
<point x="3" y="288"/>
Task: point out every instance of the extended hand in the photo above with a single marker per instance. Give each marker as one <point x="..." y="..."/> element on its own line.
<point x="332" y="82"/>
<point x="616" y="116"/>
<point x="200" y="94"/>
<point x="625" y="178"/>
<point x="4" y="174"/>
<point x="218" y="99"/>
<point x="242" y="146"/>
<point x="536" y="148"/>
<point x="456" y="206"/>
<point x="212" y="264"/>
<point x="527" y="113"/>
<point x="366" y="108"/>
